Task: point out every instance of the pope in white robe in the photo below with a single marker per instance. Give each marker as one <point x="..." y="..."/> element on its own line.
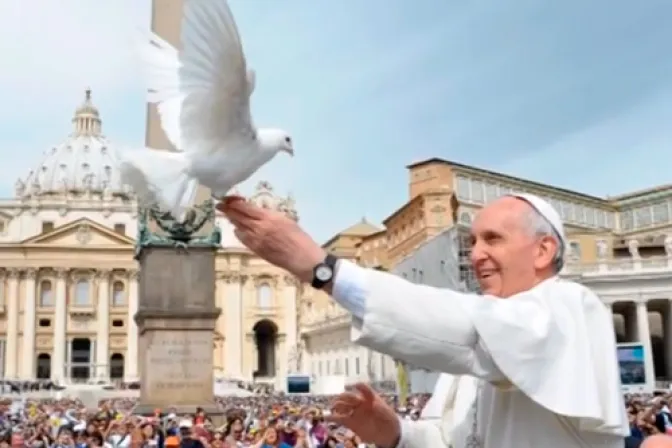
<point x="533" y="359"/>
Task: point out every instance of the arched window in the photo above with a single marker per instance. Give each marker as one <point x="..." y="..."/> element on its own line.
<point x="264" y="296"/>
<point x="82" y="296"/>
<point x="46" y="295"/>
<point x="118" y="294"/>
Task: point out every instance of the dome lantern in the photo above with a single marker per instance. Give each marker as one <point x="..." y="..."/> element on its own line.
<point x="84" y="165"/>
<point x="87" y="119"/>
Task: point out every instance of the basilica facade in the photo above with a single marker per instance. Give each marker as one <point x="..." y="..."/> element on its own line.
<point x="69" y="282"/>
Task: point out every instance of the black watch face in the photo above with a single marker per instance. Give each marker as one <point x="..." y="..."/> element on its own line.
<point x="323" y="273"/>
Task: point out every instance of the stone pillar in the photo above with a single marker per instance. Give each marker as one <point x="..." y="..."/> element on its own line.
<point x="28" y="356"/>
<point x="667" y="331"/>
<point x="633" y="248"/>
<point x="668" y="250"/>
<point x="234" y="325"/>
<point x="131" y="360"/>
<point x="67" y="365"/>
<point x="602" y="254"/>
<point x="291" y="325"/>
<point x="60" y="321"/>
<point x="12" y="358"/>
<point x="253" y="365"/>
<point x="103" y="331"/>
<point x="176" y="320"/>
<point x="644" y="337"/>
<point x="281" y="361"/>
<point x="166" y="22"/>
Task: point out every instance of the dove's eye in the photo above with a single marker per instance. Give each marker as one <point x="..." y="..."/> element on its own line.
<point x="288" y="140"/>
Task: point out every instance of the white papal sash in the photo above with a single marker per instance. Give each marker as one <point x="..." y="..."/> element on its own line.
<point x="448" y="416"/>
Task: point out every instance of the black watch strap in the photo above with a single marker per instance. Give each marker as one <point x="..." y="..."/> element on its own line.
<point x="328" y="263"/>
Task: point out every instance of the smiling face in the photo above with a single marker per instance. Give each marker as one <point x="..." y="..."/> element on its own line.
<point x="507" y="255"/>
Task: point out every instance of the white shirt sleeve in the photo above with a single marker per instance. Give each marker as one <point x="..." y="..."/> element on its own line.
<point x="350" y="288"/>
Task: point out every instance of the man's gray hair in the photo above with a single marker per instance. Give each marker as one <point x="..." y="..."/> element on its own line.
<point x="539" y="226"/>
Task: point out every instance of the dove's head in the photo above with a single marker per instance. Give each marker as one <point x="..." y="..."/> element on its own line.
<point x="276" y="140"/>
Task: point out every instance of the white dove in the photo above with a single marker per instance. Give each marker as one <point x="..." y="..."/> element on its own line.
<point x="203" y="98"/>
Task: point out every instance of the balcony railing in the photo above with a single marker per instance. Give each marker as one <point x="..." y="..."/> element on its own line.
<point x="325" y="320"/>
<point x="620" y="265"/>
<point x="263" y="312"/>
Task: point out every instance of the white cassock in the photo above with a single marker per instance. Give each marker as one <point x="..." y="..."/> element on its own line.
<point x="536" y="370"/>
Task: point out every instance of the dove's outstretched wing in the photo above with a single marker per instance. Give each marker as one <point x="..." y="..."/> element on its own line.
<point x="203" y="92"/>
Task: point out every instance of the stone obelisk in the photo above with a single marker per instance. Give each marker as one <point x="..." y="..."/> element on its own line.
<point x="176" y="315"/>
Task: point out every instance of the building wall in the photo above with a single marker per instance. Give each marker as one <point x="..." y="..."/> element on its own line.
<point x="328" y="350"/>
<point x="435" y="262"/>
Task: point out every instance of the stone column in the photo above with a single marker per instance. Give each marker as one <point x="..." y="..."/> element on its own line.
<point x="633" y="248"/>
<point x="12" y="358"/>
<point x="602" y="254"/>
<point x="131" y="360"/>
<point x="644" y="337"/>
<point x="68" y="358"/>
<point x="234" y="325"/>
<point x="28" y="364"/>
<point x="667" y="319"/>
<point x="60" y="322"/>
<point x="103" y="331"/>
<point x="668" y="250"/>
<point x="281" y="358"/>
<point x="221" y="329"/>
<point x="291" y="325"/>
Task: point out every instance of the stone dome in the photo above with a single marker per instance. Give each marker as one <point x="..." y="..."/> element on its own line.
<point x="84" y="164"/>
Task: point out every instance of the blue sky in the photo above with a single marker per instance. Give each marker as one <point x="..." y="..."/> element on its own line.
<point x="576" y="94"/>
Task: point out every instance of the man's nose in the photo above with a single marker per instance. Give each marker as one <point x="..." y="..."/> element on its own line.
<point x="478" y="253"/>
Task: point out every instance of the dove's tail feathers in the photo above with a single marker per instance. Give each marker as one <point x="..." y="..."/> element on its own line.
<point x="160" y="177"/>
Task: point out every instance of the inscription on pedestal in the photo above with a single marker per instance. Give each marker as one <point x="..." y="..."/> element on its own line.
<point x="179" y="367"/>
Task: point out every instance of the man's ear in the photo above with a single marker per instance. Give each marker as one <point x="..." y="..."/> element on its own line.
<point x="548" y="248"/>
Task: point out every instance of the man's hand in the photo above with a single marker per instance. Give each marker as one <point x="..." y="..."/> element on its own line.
<point x="274" y="237"/>
<point x="365" y="413"/>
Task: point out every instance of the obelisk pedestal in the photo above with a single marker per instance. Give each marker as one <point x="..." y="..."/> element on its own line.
<point x="176" y="321"/>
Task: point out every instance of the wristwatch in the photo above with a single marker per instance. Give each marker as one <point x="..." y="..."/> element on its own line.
<point x="323" y="273"/>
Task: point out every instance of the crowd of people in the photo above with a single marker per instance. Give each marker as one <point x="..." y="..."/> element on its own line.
<point x="260" y="421"/>
<point x="266" y="421"/>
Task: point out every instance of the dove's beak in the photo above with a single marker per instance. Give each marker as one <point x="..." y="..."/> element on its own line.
<point x="289" y="151"/>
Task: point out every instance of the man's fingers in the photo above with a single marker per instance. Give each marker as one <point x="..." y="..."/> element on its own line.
<point x="341" y="412"/>
<point x="339" y="419"/>
<point x="241" y="222"/>
<point x="237" y="205"/>
<point x="368" y="395"/>
<point x="347" y="399"/>
<point x="224" y="202"/>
